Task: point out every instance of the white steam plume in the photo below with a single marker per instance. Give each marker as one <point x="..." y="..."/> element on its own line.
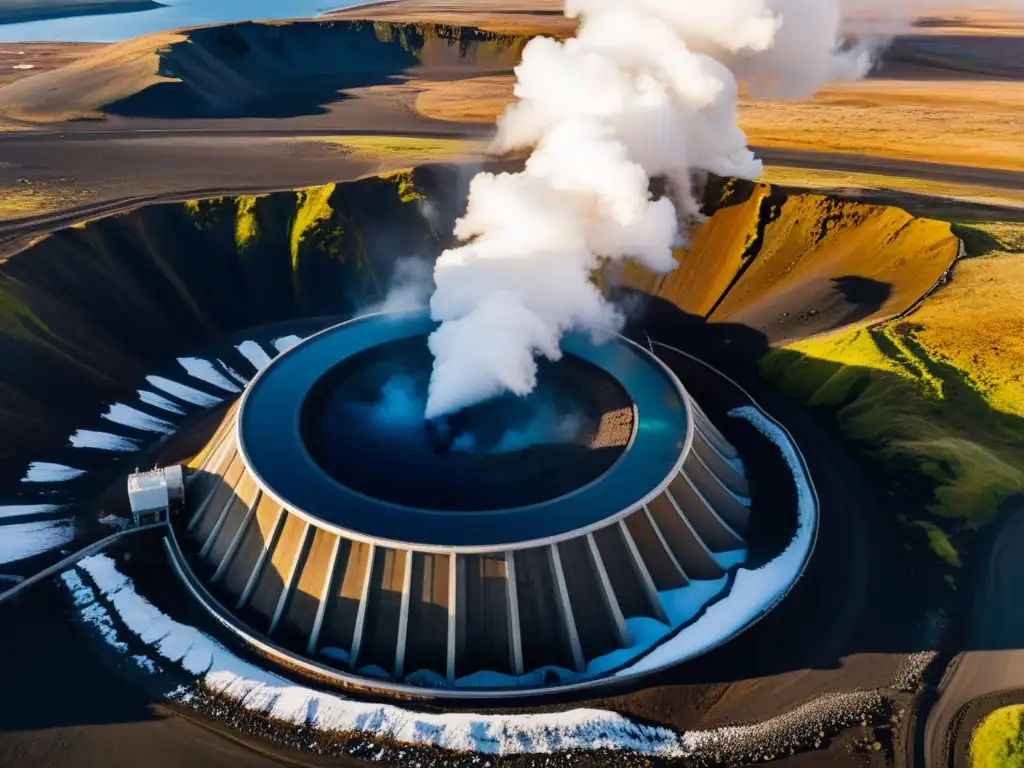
<point x="647" y="88"/>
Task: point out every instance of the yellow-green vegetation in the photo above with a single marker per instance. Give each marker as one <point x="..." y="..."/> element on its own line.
<point x="810" y="178"/>
<point x="976" y="325"/>
<point x="15" y="317"/>
<point x="20" y="202"/>
<point x="998" y="740"/>
<point x="939" y="542"/>
<point x="989" y="238"/>
<point x="403" y="150"/>
<point x="312" y="213"/>
<point x="206" y="214"/>
<point x="246" y="226"/>
<point x="406" y="183"/>
<point x="939" y="394"/>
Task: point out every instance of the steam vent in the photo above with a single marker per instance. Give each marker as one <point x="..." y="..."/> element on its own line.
<point x="522" y="544"/>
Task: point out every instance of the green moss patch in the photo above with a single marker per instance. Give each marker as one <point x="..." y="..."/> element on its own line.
<point x="916" y="414"/>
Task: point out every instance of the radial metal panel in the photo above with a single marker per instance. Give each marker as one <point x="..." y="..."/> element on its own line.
<point x="228" y="528"/>
<point x="618" y="564"/>
<point x="325" y="595"/>
<point x="726" y="473"/>
<point x="453" y="607"/>
<point x="383" y="609"/>
<point x="255" y="540"/>
<point x="364" y="600"/>
<point x="268" y="545"/>
<point x="236" y="539"/>
<point x="713" y="530"/>
<point x="565" y="609"/>
<point x="289" y="582"/>
<point x="304" y="602"/>
<point x="650" y="590"/>
<point x="218" y="501"/>
<point x="273" y="578"/>
<point x="695" y="558"/>
<point x="610" y="600"/>
<point x="711" y="432"/>
<point x="354" y="560"/>
<point x="427" y="639"/>
<point x="403" y="617"/>
<point x="726" y="504"/>
<point x="512" y="601"/>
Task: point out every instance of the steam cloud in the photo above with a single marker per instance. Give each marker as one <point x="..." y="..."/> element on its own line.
<point x="647" y="88"/>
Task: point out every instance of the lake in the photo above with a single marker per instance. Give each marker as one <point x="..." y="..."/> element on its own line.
<point x="112" y="27"/>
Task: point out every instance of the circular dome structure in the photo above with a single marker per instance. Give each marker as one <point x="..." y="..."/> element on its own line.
<point x="520" y="544"/>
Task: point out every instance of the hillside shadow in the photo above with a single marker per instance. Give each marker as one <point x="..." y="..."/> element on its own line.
<point x="252" y="70"/>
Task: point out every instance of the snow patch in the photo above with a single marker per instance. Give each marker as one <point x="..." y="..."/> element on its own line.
<point x="184" y="392"/>
<point x="254" y="353"/>
<point x="26" y="510"/>
<point x="23" y="66"/>
<point x="91" y="611"/>
<point x="157" y="401"/>
<point x="45" y="472"/>
<point x="146" y="663"/>
<point x="233" y="373"/>
<point x="260" y="691"/>
<point x="127" y="416"/>
<point x="285" y="343"/>
<point x="24" y="540"/>
<point x="753" y="591"/>
<point x="102" y="441"/>
<point x="204" y="370"/>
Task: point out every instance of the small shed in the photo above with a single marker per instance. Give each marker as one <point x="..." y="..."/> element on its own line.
<point x="153" y="494"/>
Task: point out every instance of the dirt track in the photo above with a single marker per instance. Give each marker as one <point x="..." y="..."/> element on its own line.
<point x="994" y="659"/>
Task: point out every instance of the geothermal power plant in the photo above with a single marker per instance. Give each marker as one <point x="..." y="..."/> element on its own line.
<point x="546" y="541"/>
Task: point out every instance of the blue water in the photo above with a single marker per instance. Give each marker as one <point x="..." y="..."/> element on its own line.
<point x="271" y="439"/>
<point x="506" y="452"/>
<point x="110" y="28"/>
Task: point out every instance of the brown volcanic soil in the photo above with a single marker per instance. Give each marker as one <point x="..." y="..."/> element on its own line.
<point x="794" y="265"/>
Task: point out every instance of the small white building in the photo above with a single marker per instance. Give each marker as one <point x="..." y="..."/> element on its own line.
<point x="152" y="494"/>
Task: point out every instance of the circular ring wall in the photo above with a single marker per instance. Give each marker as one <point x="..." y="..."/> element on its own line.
<point x="271" y="442"/>
<point x="399" y="598"/>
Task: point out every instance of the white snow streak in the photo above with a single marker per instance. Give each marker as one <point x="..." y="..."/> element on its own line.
<point x="158" y="401"/>
<point x="204" y="370"/>
<point x="254" y="353"/>
<point x="26" y="510"/>
<point x="260" y="691"/>
<point x="184" y="392"/>
<point x="233" y="373"/>
<point x="285" y="343"/>
<point x="23" y="540"/>
<point x="127" y="416"/>
<point x="102" y="441"/>
<point x="753" y="591"/>
<point x="45" y="472"/>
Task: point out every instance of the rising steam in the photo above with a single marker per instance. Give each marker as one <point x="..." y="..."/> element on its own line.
<point x="647" y="88"/>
